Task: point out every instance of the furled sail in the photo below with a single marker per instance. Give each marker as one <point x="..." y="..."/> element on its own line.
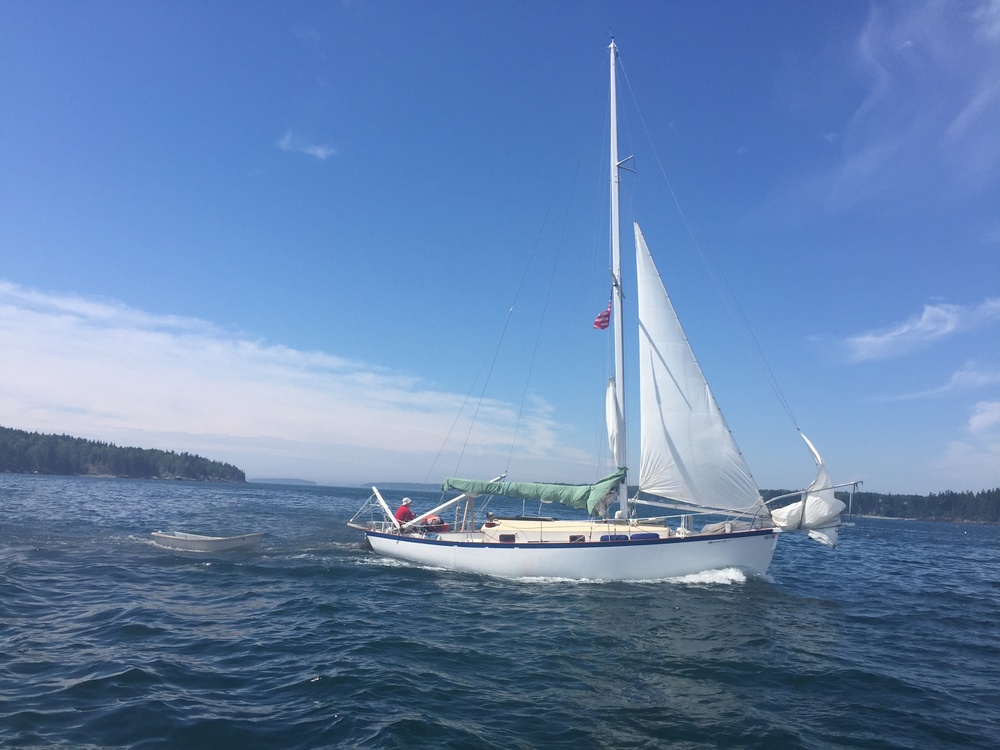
<point x="818" y="513"/>
<point x="616" y="430"/>
<point x="587" y="496"/>
<point x="688" y="453"/>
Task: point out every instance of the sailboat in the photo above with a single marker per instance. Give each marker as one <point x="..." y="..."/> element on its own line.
<point x="689" y="462"/>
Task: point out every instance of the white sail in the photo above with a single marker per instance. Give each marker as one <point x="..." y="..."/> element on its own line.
<point x="818" y="513"/>
<point x="616" y="430"/>
<point x="688" y="453"/>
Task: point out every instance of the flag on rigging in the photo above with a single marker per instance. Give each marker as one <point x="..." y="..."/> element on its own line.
<point x="604" y="319"/>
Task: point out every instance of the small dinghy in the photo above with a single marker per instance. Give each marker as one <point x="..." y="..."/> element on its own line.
<point x="199" y="543"/>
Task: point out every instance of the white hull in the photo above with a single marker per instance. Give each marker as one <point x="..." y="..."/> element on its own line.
<point x="199" y="543"/>
<point x="750" y="551"/>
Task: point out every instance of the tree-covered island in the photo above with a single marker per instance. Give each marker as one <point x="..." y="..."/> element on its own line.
<point x="34" y="453"/>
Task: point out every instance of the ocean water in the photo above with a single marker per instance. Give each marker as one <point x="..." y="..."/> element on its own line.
<point x="309" y="641"/>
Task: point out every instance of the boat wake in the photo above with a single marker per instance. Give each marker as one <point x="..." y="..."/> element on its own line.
<point x="723" y="576"/>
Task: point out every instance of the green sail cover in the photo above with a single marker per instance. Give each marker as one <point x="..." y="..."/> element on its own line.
<point x="574" y="495"/>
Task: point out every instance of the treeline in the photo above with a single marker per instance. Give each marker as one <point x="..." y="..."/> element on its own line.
<point x="31" y="453"/>
<point x="974" y="507"/>
<point x="978" y="507"/>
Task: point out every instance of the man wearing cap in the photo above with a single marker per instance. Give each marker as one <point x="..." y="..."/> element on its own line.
<point x="404" y="513"/>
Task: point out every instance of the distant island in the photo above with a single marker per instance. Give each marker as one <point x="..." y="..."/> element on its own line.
<point x="34" y="453"/>
<point x="278" y="480"/>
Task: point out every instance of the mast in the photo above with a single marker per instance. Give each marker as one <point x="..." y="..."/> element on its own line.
<point x="616" y="273"/>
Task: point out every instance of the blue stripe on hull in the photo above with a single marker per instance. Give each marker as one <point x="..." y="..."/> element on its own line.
<point x="575" y="545"/>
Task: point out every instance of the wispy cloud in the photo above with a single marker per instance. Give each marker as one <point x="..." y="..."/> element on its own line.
<point x="935" y="96"/>
<point x="107" y="371"/>
<point x="932" y="324"/>
<point x="975" y="459"/>
<point x="970" y="377"/>
<point x="986" y="418"/>
<point x="291" y="142"/>
<point x="927" y="114"/>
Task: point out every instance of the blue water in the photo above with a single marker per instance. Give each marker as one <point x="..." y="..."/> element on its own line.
<point x="309" y="641"/>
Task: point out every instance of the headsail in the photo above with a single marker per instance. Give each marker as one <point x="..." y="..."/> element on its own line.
<point x="818" y="513"/>
<point x="688" y="453"/>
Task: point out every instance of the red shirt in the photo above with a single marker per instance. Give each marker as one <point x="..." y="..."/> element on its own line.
<point x="404" y="514"/>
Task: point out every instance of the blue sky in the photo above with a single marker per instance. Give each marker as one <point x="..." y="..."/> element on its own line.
<point x="291" y="235"/>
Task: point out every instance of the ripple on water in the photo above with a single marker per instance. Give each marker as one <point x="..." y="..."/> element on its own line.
<point x="311" y="641"/>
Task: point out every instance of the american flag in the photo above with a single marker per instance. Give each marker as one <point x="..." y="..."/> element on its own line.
<point x="604" y="319"/>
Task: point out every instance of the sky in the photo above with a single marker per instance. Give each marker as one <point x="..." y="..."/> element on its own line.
<point x="365" y="241"/>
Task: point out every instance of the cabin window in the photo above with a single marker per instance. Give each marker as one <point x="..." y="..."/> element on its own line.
<point x="577" y="538"/>
<point x="508" y="538"/>
<point x="614" y="538"/>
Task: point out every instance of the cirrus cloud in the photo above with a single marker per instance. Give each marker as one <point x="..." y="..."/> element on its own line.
<point x="932" y="324"/>
<point x="291" y="142"/>
<point x="974" y="460"/>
